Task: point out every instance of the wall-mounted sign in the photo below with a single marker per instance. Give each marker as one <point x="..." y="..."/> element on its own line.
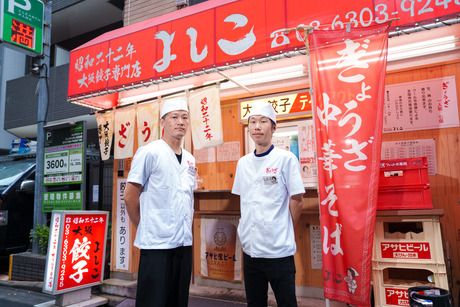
<point x="21" y="24"/>
<point x="285" y="104"/>
<point x="64" y="152"/>
<point x="122" y="232"/>
<point x="62" y="200"/>
<point x="220" y="248"/>
<point x="224" y="32"/>
<point x="76" y="250"/>
<point x="419" y="105"/>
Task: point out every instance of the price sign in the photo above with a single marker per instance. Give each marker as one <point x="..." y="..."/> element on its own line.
<point x="64" y="152"/>
<point x="56" y="163"/>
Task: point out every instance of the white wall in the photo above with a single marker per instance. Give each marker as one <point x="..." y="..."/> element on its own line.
<point x="12" y="66"/>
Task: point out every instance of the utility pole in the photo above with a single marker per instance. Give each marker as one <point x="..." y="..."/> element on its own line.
<point x="42" y="110"/>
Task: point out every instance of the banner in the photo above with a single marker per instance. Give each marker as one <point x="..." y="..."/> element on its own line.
<point x="105" y="133"/>
<point x="348" y="73"/>
<point x="147" y="116"/>
<point x="124" y="133"/>
<point x="206" y="117"/>
<point x="122" y="231"/>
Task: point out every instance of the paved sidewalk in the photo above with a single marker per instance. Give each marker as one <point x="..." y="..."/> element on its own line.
<point x="23" y="293"/>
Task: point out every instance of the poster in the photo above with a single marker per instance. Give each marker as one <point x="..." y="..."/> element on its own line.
<point x="420" y="105"/>
<point x="220" y="248"/>
<point x="412" y="149"/>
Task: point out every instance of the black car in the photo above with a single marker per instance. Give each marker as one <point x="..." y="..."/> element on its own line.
<point x="17" y="184"/>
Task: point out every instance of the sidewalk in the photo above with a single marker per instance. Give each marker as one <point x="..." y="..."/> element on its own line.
<point x="26" y="293"/>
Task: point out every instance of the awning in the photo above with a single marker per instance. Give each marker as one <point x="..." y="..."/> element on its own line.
<point x="219" y="33"/>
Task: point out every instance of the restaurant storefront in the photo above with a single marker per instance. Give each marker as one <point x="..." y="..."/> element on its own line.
<point x="238" y="52"/>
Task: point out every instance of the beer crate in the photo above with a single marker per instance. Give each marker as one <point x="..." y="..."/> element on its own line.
<point x="408" y="240"/>
<point x="404" y="184"/>
<point x="392" y="280"/>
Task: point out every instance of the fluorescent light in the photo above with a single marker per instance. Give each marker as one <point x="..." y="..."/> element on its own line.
<point x="154" y="93"/>
<point x="432" y="46"/>
<point x="271" y="75"/>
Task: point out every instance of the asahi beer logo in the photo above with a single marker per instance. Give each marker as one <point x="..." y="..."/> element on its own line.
<point x="219" y="237"/>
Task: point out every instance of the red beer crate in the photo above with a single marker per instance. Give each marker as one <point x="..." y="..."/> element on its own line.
<point x="404" y="184"/>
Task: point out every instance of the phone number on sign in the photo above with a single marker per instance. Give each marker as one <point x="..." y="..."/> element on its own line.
<point x="381" y="13"/>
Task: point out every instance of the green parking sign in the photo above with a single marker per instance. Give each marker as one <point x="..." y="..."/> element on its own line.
<point x="21" y="24"/>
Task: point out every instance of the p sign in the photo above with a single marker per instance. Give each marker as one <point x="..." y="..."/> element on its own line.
<point x="21" y="24"/>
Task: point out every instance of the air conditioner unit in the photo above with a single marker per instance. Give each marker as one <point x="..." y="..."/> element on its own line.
<point x="182" y="2"/>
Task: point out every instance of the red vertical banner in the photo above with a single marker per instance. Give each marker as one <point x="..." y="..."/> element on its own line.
<point x="348" y="76"/>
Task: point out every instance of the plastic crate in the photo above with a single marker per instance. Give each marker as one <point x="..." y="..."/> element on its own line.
<point x="404" y="184"/>
<point x="416" y="240"/>
<point x="403" y="172"/>
<point x="391" y="281"/>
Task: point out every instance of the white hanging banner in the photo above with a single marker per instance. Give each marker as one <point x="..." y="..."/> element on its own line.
<point x="147" y="118"/>
<point x="105" y="133"/>
<point x="124" y="133"/>
<point x="206" y="117"/>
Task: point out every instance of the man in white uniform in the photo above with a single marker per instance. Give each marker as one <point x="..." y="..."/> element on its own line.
<point x="159" y="200"/>
<point x="270" y="188"/>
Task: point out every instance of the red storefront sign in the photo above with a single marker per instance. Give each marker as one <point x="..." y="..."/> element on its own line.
<point x="405" y="250"/>
<point x="396" y="297"/>
<point x="76" y="250"/>
<point x="222" y="32"/>
<point x="348" y="73"/>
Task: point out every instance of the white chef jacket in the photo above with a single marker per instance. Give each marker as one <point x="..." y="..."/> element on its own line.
<point x="265" y="185"/>
<point x="166" y="200"/>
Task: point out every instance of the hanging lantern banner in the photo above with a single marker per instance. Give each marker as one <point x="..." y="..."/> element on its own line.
<point x="105" y="133"/>
<point x="348" y="73"/>
<point x="206" y="117"/>
<point x="124" y="133"/>
<point x="147" y="117"/>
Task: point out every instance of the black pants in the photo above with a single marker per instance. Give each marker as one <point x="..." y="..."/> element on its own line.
<point x="164" y="277"/>
<point x="279" y="272"/>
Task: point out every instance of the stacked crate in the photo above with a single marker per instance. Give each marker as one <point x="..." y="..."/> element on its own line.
<point x="408" y="248"/>
<point x="407" y="252"/>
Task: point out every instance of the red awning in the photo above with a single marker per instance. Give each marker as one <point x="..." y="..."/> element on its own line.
<point x="217" y="33"/>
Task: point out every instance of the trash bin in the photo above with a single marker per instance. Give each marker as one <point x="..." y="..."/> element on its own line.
<point x="429" y="296"/>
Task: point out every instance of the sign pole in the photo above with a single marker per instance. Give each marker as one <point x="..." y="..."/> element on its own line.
<point x="42" y="110"/>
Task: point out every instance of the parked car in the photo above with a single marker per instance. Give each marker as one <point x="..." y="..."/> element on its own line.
<point x="17" y="185"/>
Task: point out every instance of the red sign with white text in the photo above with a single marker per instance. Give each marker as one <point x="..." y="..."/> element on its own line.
<point x="195" y="38"/>
<point x="76" y="250"/>
<point x="405" y="250"/>
<point x="396" y="297"/>
<point x="348" y="73"/>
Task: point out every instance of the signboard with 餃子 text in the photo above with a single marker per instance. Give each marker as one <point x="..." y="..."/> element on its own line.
<point x="76" y="250"/>
<point x="21" y="24"/>
<point x="285" y="104"/>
